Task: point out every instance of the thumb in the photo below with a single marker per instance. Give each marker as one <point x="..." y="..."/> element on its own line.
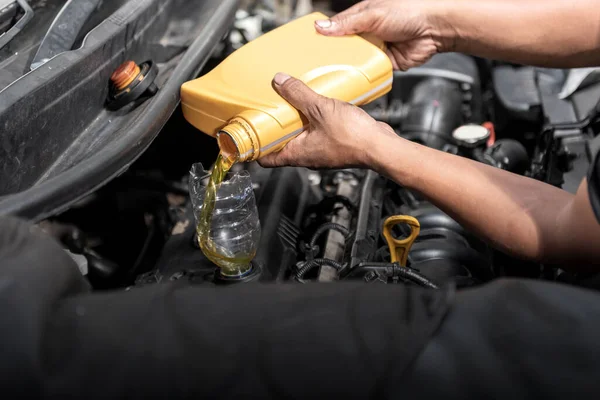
<point x="347" y="23"/>
<point x="300" y="96"/>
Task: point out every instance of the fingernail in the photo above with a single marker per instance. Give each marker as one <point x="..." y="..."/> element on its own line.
<point x="281" y="78"/>
<point x="324" y="24"/>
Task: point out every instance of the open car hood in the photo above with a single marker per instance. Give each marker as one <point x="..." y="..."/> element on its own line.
<point x="58" y="142"/>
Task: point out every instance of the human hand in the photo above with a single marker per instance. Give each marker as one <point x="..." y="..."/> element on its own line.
<point x="338" y="135"/>
<point x="410" y="28"/>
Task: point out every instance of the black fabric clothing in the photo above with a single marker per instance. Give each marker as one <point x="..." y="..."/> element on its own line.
<point x="514" y="340"/>
<point x="35" y="275"/>
<point x="508" y="339"/>
<point x="174" y="341"/>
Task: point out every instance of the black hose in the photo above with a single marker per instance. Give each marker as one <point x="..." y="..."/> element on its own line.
<point x="312" y="262"/>
<point x="385" y="269"/>
<point x="468" y="257"/>
<point x="416" y="277"/>
<point x="483" y="157"/>
<point x="394" y="270"/>
<point x="328" y="227"/>
<point x="318" y="262"/>
<point x="589" y="119"/>
<point x="329" y="202"/>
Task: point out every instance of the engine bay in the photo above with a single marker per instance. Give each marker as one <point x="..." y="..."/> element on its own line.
<point x="326" y="226"/>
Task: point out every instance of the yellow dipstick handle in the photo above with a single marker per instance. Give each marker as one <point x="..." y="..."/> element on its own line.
<point x="399" y="248"/>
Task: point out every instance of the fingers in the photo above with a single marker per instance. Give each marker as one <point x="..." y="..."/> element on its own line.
<point x="271" y="161"/>
<point x="300" y="96"/>
<point x="281" y="158"/>
<point x="291" y="155"/>
<point x="360" y="20"/>
<point x="392" y="58"/>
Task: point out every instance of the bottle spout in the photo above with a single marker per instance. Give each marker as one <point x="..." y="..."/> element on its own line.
<point x="227" y="145"/>
<point x="236" y="141"/>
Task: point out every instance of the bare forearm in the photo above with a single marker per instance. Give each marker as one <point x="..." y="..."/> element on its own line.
<point x="553" y="33"/>
<point x="520" y="216"/>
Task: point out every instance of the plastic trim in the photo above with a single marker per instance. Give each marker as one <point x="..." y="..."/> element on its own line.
<point x="56" y="194"/>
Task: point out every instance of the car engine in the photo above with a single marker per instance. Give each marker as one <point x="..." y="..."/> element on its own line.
<point x="326" y="226"/>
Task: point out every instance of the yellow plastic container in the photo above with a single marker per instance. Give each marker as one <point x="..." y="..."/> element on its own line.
<point x="236" y="101"/>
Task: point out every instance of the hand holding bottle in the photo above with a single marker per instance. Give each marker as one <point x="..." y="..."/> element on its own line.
<point x="522" y="32"/>
<point x="338" y="134"/>
<point x="411" y="31"/>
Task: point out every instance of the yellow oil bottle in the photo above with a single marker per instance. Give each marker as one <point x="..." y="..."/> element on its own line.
<point x="236" y="103"/>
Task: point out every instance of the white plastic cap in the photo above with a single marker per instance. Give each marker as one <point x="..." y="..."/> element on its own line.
<point x="471" y="134"/>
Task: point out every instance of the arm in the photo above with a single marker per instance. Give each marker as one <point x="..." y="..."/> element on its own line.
<point x="523" y="217"/>
<point x="518" y="215"/>
<point x="552" y="33"/>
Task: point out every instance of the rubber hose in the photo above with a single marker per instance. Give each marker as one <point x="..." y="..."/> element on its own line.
<point x="327" y="227"/>
<point x="438" y="219"/>
<point x="391" y="270"/>
<point x="483" y="157"/>
<point x="318" y="262"/>
<point x="470" y="258"/>
<point x="379" y="267"/>
<point x="416" y="277"/>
